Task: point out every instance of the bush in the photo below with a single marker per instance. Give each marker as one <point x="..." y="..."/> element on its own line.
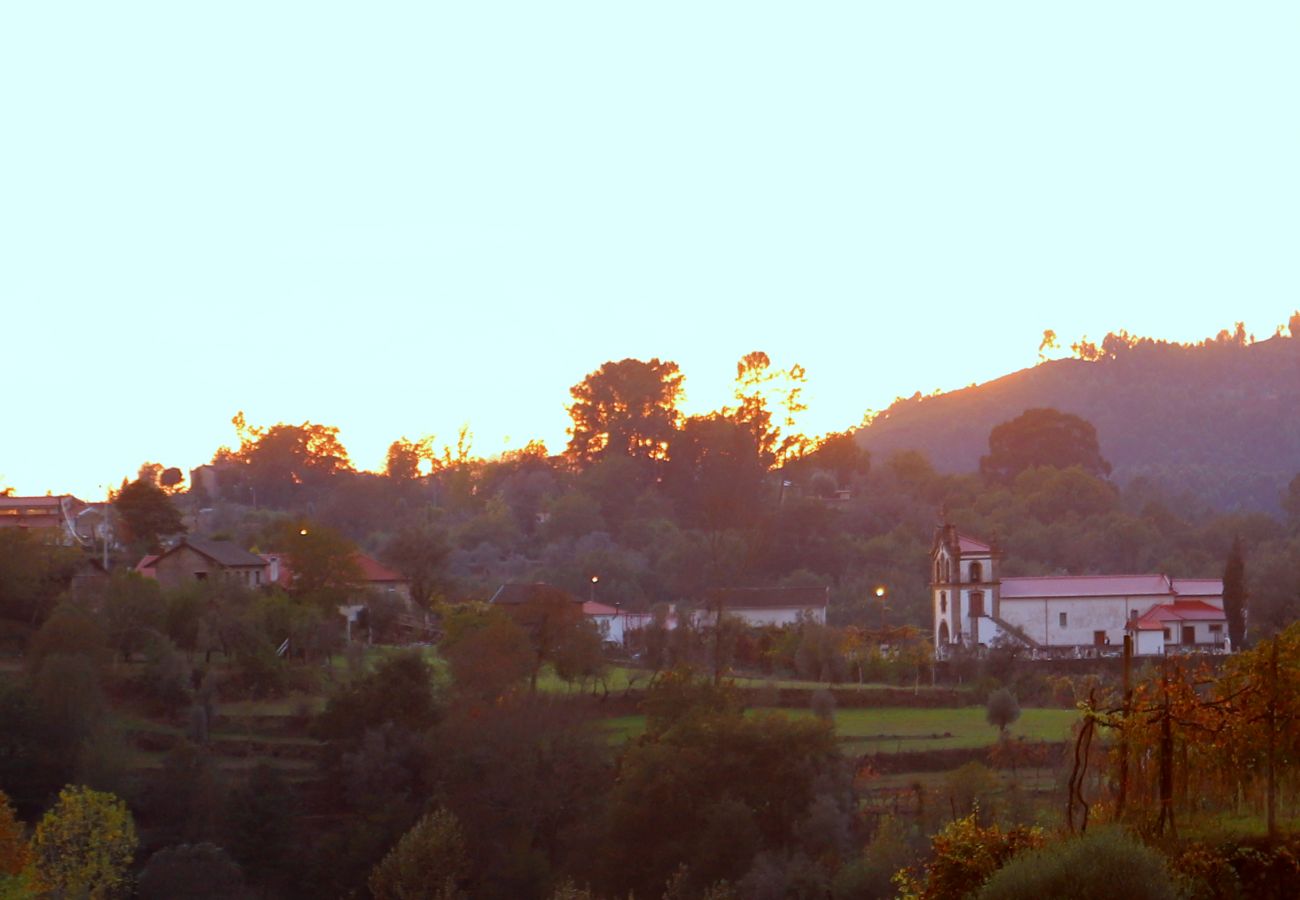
<point x="1101" y="864"/>
<point x="195" y="871"/>
<point x="823" y="705"/>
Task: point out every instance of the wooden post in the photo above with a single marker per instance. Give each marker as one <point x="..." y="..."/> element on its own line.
<point x="1123" y="732"/>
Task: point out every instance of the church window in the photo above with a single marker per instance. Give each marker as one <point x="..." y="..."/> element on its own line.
<point x="943" y="601"/>
<point x="976" y="572"/>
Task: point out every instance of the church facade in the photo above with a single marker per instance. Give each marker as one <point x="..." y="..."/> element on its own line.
<point x="1066" y="615"/>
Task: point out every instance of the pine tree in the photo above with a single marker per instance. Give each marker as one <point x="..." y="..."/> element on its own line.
<point x="1234" y="594"/>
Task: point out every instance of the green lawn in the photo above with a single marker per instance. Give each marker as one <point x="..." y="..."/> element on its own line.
<point x="895" y="729"/>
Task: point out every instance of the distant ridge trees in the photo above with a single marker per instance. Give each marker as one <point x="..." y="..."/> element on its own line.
<point x="1213" y="421"/>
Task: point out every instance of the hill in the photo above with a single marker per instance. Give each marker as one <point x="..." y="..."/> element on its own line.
<point x="1215" y="421"/>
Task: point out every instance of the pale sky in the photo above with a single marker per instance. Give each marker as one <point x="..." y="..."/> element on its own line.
<point x="395" y="218"/>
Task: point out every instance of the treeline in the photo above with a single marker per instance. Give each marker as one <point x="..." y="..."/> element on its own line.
<point x="661" y="507"/>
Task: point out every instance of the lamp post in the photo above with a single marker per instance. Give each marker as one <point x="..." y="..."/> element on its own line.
<point x="880" y="595"/>
<point x="592" y="596"/>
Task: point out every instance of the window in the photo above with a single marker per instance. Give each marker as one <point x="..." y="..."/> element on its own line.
<point x="943" y="601"/>
<point x="1166" y="634"/>
<point x="1216" y="629"/>
<point x="1132" y="614"/>
<point x="976" y="572"/>
<point x="1064" y="620"/>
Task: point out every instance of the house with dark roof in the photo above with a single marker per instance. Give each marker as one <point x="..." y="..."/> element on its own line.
<point x="1055" y="615"/>
<point x="198" y="559"/>
<point x="759" y="606"/>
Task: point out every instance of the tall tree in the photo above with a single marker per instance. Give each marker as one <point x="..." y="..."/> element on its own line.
<point x="147" y="514"/>
<point x="757" y="383"/>
<point x="626" y="408"/>
<point x="420" y="553"/>
<point x="278" y="461"/>
<point x="716" y="471"/>
<point x="1234" y="594"/>
<point x="1043" y="437"/>
<point x="406" y="457"/>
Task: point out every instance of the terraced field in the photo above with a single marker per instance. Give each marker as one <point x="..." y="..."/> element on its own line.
<point x="897" y="730"/>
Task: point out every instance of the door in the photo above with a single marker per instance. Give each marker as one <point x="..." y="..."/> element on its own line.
<point x="1189" y="634"/>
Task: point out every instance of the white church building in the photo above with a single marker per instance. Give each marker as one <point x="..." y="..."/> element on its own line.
<point x="1067" y="615"/>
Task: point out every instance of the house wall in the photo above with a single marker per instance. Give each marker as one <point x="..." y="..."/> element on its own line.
<point x="1149" y="643"/>
<point x="1040" y="618"/>
<point x="777" y="615"/>
<point x="186" y="565"/>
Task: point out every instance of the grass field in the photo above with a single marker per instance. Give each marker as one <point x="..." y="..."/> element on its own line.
<point x="895" y="730"/>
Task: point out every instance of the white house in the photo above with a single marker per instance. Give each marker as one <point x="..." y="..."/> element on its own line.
<point x="766" y="606"/>
<point x="1066" y="614"/>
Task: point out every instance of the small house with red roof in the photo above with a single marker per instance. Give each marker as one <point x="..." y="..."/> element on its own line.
<point x="1056" y="615"/>
<point x="375" y="576"/>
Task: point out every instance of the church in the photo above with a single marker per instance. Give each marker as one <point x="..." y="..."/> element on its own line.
<point x="1067" y="615"/>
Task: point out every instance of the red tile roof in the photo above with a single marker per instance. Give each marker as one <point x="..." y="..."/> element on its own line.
<point x="592" y="608"/>
<point x="374" y="571"/>
<point x="1179" y="611"/>
<point x="1086" y="586"/>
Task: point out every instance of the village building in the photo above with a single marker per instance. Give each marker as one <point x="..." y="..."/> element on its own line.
<point x="1066" y="615"/>
<point x="758" y="607"/>
<point x="197" y="559"/>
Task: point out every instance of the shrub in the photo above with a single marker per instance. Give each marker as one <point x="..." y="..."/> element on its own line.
<point x="1100" y="864"/>
<point x="823" y="705"/>
<point x="963" y="856"/>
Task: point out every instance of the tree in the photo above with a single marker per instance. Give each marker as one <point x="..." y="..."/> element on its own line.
<point x="420" y="553"/>
<point x="1099" y="864"/>
<point x="400" y="689"/>
<point x="147" y="514"/>
<point x="626" y="408"/>
<point x="323" y="561"/>
<point x="430" y="861"/>
<point x="1291" y="496"/>
<point x="702" y="778"/>
<point x="488" y="655"/>
<point x="32" y="574"/>
<point x="1003" y="709"/>
<point x="194" y="871"/>
<point x="131" y="609"/>
<point x="755" y="381"/>
<point x="1042" y="437"/>
<point x="84" y="845"/>
<point x="281" y="460"/>
<point x="548" y="616"/>
<point x="259" y="822"/>
<point x="14" y="852"/>
<point x="715" y="471"/>
<point x="406" y="457"/>
<point x="1234" y="594"/>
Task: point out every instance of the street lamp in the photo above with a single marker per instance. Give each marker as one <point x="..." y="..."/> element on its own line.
<point x="880" y="595"/>
<point x="592" y="595"/>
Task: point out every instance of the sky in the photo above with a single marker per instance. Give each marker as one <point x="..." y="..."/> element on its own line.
<point x="401" y="218"/>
